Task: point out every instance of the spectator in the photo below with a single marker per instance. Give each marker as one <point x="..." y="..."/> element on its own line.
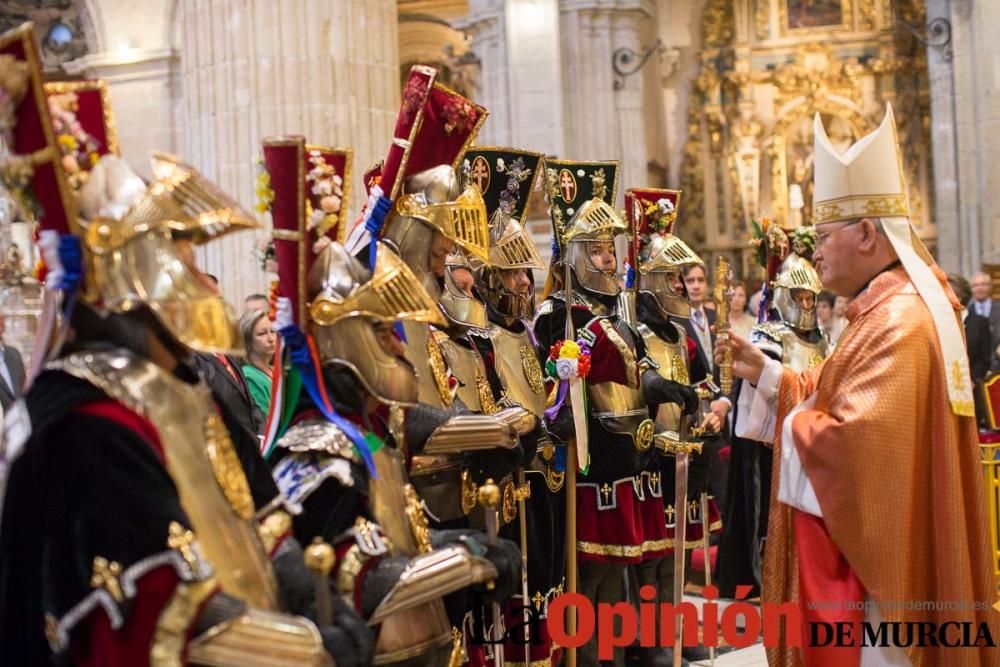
<point x="977" y="329"/>
<point x="256" y="302"/>
<point x="824" y="313"/>
<point x="260" y="341"/>
<point x="742" y="322"/>
<point x="11" y="372"/>
<point x="839" y="317"/>
<point x="984" y="304"/>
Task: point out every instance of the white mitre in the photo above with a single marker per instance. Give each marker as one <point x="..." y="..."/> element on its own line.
<point x="866" y="181"/>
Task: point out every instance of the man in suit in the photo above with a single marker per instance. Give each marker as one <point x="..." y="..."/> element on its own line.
<point x="984" y="304"/>
<point x="978" y="339"/>
<point x="11" y="372"/>
<point x="699" y="330"/>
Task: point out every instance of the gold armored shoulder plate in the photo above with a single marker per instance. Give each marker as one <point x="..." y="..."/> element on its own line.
<point x="200" y="459"/>
<point x="775" y="331"/>
<point x="318" y="435"/>
<point x="128" y="379"/>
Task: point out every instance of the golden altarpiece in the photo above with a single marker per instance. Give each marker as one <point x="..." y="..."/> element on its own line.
<point x="766" y="67"/>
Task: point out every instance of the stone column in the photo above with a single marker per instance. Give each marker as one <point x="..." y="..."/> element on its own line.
<point x="602" y="122"/>
<point x="326" y="69"/>
<point x="486" y="24"/>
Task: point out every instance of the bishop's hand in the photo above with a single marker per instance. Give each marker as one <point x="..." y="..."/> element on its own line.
<point x="748" y="360"/>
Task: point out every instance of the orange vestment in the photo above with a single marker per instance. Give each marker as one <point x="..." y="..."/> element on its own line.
<point x="896" y="473"/>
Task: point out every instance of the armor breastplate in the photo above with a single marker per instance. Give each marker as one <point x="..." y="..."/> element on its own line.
<point x="796" y="354"/>
<point x="673" y="365"/>
<point x="201" y="461"/>
<point x="467" y="367"/>
<point x="800" y="355"/>
<point x="520" y="373"/>
<point x="425" y="355"/>
<point x="425" y="628"/>
<point x="620" y="408"/>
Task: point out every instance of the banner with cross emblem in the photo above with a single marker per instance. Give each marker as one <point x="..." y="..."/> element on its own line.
<point x="570" y="183"/>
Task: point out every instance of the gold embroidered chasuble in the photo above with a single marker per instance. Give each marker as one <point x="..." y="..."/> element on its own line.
<point x="897" y="474"/>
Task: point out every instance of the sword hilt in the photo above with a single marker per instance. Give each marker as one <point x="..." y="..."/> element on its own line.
<point x="320" y="558"/>
<point x="668" y="444"/>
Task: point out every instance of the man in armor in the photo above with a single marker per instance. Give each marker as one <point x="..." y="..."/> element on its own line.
<point x="660" y="257"/>
<point x="619" y="509"/>
<point x="353" y="489"/>
<point x="791" y="334"/>
<point x="427" y="217"/>
<point x="533" y="509"/>
<point x="130" y="533"/>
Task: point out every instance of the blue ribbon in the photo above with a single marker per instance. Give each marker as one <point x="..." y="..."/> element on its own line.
<point x="762" y="307"/>
<point x="312" y="379"/>
<point x="374" y="225"/>
<point x="71" y="256"/>
<point x="555" y="249"/>
<point x="560" y="457"/>
<point x="629" y="276"/>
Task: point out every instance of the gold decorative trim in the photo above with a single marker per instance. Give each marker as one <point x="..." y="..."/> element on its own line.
<point x="418" y="520"/>
<point x="287" y="235"/>
<point x="101" y="86"/>
<point x="532" y="369"/>
<point x="227" y="467"/>
<point x="622" y="551"/>
<point x="486" y="400"/>
<point x="851" y="207"/>
<point x="439" y="370"/>
<point x="272" y="528"/>
<point x="171" y="633"/>
<point x="348" y="569"/>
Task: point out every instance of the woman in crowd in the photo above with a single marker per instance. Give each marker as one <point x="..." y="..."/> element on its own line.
<point x="739" y="318"/>
<point x="824" y="313"/>
<point x="259" y="340"/>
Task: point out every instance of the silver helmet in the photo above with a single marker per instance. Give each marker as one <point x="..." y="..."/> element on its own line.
<point x="795" y="290"/>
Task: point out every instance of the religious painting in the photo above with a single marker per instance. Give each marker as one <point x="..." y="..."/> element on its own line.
<point x="814" y="13"/>
<point x="567" y="186"/>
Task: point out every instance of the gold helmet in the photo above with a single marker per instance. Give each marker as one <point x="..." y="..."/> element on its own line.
<point x="127" y="258"/>
<point x="331" y="295"/>
<point x="506" y="178"/>
<point x="794" y="282"/>
<point x="659" y="257"/>
<point x="458" y="299"/>
<point x="433" y="129"/>
<point x="797" y="276"/>
<point x="144" y="259"/>
<point x="348" y="303"/>
<point x="433" y="205"/>
<point x="581" y="195"/>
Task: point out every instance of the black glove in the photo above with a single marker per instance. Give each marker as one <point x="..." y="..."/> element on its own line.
<point x="421" y="421"/>
<point x="505" y="556"/>
<point x="348" y="639"/>
<point x="296" y="582"/>
<point x="562" y="426"/>
<point x="532" y="442"/>
<point x="656" y="389"/>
